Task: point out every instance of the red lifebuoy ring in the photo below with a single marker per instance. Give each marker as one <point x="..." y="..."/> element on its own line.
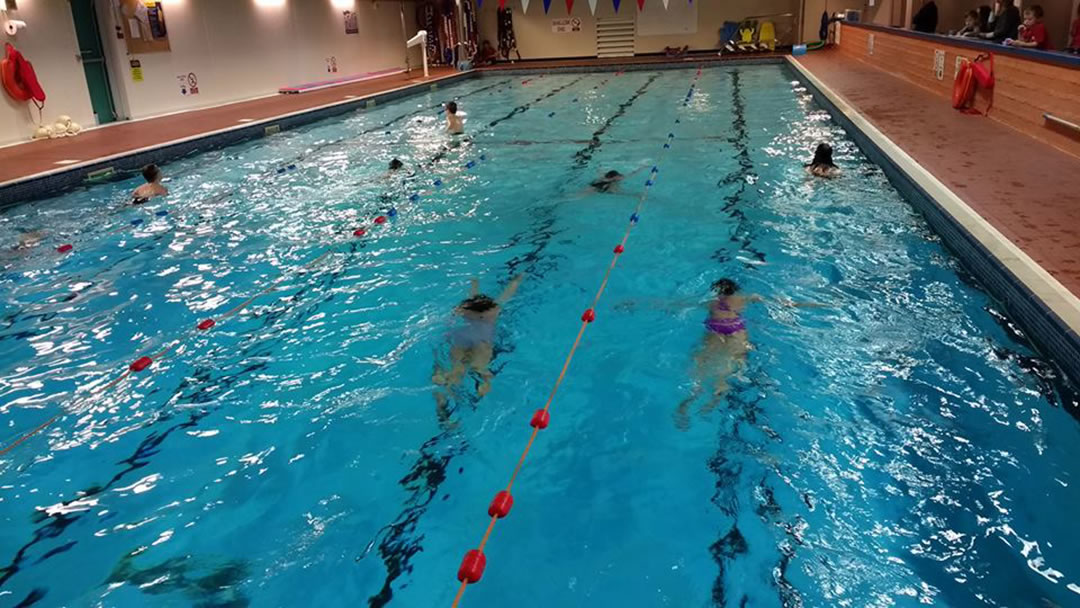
<point x="19" y="78"/>
<point x="963" y="92"/>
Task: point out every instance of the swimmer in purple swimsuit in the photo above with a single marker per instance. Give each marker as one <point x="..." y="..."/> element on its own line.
<point x="723" y="349"/>
<point x="471" y="344"/>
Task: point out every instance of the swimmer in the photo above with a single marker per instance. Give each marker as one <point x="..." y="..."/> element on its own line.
<point x="471" y="344"/>
<point x="724" y="347"/>
<point x="29" y="240"/>
<point x="454" y="124"/>
<point x="823" y="165"/>
<point x="609" y="182"/>
<point x="390" y="179"/>
<point x="152" y="187"/>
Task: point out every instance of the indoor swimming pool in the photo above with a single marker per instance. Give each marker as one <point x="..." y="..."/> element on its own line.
<point x="891" y="440"/>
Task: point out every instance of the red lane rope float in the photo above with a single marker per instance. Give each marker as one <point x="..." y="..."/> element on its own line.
<point x="473" y="564"/>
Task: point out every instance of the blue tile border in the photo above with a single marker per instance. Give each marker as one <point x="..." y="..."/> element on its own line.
<point x="60" y="181"/>
<point x="1042" y="326"/>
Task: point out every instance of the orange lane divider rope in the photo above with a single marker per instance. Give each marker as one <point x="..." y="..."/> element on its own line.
<point x="143" y="362"/>
<point x="474" y="562"/>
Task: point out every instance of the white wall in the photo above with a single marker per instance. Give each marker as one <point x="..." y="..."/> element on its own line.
<point x="239" y="50"/>
<point x="536" y="40"/>
<point x="49" y="43"/>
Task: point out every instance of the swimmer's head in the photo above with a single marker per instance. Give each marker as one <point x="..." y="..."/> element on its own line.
<point x="151" y="173"/>
<point x="478" y="304"/>
<point x="725" y="287"/>
<point x="396" y="164"/>
<point x="452" y="107"/>
<point x="613" y="175"/>
<point x="823" y="155"/>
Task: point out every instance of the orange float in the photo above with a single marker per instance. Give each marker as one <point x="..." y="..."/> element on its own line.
<point x="972" y="74"/>
<point x="963" y="91"/>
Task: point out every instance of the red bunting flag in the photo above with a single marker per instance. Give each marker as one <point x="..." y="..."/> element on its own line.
<point x="569" y="6"/>
<point x="640" y="5"/>
<point x="502" y="4"/>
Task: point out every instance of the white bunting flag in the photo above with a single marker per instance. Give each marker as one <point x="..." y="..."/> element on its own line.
<point x="524" y="6"/>
<point x="665" y="4"/>
<point x="592" y="6"/>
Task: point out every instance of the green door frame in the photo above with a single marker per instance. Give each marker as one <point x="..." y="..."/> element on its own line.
<point x="92" y="56"/>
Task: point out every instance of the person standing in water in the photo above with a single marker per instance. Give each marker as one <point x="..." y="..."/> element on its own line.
<point x="823" y="165"/>
<point x="454" y="124"/>
<point x="471" y="344"/>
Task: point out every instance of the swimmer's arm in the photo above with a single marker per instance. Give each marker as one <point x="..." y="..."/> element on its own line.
<point x="511" y="289"/>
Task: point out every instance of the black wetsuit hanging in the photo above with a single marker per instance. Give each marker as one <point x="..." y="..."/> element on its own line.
<point x="507" y="41"/>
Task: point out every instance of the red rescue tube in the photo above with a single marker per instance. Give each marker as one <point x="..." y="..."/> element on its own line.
<point x="18" y="77"/>
<point x="963" y="87"/>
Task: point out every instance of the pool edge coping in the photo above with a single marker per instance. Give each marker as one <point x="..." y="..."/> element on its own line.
<point x="1030" y="275"/>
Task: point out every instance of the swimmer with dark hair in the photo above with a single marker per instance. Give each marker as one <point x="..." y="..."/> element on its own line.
<point x="724" y="347"/>
<point x="471" y="344"/>
<point x="152" y="187"/>
<point x="396" y="164"/>
<point x="823" y="165"/>
<point x="454" y="124"/>
<point x="609" y="182"/>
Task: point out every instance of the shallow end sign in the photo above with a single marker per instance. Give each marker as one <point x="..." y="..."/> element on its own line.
<point x="566" y="25"/>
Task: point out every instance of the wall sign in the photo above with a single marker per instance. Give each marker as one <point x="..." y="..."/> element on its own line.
<point x="351" y="25"/>
<point x="136" y="70"/>
<point x="189" y="83"/>
<point x="143" y="24"/>
<point x="939" y="64"/>
<point x="566" y="25"/>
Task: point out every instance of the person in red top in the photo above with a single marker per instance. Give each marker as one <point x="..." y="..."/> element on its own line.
<point x="1033" y="33"/>
<point x="1074" y="34"/>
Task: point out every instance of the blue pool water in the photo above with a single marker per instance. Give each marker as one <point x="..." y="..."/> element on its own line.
<point x="899" y="444"/>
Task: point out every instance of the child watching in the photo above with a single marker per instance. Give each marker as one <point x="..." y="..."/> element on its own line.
<point x="152" y="187"/>
<point x="1033" y="33"/>
<point x="971" y="25"/>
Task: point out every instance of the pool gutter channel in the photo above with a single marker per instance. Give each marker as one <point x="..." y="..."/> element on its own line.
<point x="1046" y="310"/>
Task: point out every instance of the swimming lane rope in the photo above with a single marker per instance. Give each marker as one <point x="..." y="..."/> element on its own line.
<point x="474" y="562"/>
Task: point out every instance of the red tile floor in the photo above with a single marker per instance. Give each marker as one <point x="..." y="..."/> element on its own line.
<point x="1026" y="189"/>
<point x="1029" y="191"/>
